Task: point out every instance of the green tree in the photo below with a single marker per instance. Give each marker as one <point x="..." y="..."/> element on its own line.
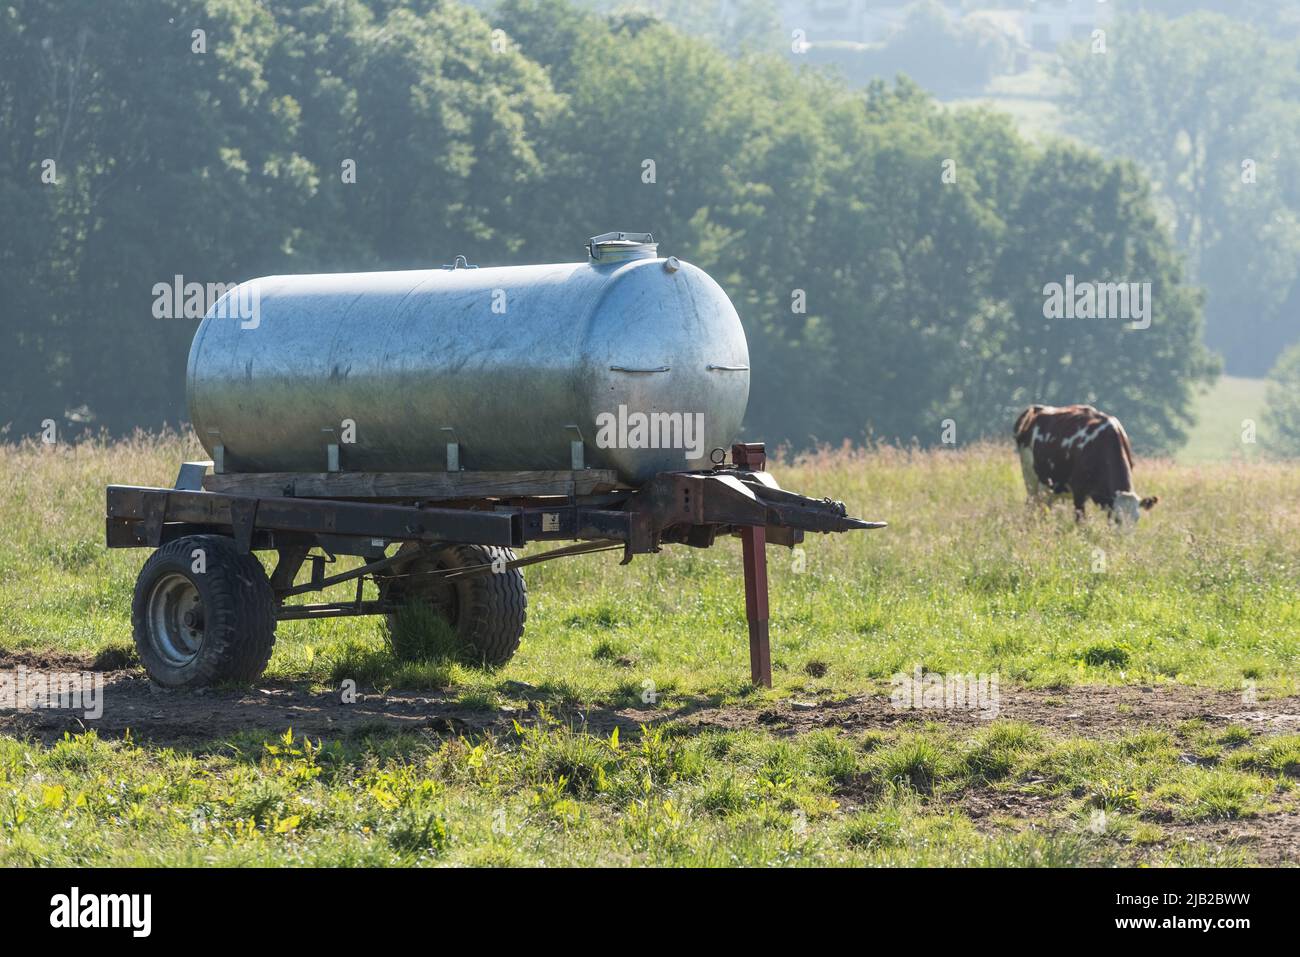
<point x="217" y="156"/>
<point x="436" y="116"/>
<point x="1205" y="104"/>
<point x="735" y="26"/>
<point x="946" y="54"/>
<point x="1094" y="219"/>
<point x="899" y="277"/>
<point x="1282" y="418"/>
<point x="172" y="157"/>
<point x="880" y="294"/>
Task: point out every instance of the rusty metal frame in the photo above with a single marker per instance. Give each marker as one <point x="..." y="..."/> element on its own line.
<point x="690" y="508"/>
<point x="753" y="540"/>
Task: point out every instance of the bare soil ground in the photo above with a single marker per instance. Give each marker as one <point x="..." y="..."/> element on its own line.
<point x="196" y="719"/>
<point x="1271" y="839"/>
<point x="161" y="716"/>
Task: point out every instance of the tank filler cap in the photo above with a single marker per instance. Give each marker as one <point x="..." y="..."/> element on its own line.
<point x="617" y="247"/>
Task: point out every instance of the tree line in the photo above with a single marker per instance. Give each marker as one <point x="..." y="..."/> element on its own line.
<point x="888" y="257"/>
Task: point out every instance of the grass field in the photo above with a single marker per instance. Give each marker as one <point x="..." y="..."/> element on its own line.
<point x="1029" y="98"/>
<point x="1147" y="685"/>
<point x="1224" y="414"/>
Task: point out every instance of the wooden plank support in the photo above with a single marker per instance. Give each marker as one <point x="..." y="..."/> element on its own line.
<point x="428" y="486"/>
<point x="357" y="519"/>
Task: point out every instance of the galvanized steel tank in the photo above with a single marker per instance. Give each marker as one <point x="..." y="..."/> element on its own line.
<point x="511" y="364"/>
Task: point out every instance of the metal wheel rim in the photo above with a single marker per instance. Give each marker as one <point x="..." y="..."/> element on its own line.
<point x="175" y="616"/>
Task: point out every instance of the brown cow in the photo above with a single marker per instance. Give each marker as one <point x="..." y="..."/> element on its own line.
<point x="1076" y="450"/>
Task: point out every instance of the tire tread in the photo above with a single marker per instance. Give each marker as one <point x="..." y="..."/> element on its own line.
<point x="238" y="605"/>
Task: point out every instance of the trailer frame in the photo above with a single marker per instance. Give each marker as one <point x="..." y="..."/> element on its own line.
<point x="363" y="514"/>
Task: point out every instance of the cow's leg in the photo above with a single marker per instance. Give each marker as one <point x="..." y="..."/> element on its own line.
<point x="1079" y="502"/>
<point x="1027" y="472"/>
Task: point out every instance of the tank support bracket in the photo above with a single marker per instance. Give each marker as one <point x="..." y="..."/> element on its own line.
<point x="243" y="518"/>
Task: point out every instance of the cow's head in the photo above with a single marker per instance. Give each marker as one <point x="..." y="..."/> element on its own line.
<point x="1128" y="507"/>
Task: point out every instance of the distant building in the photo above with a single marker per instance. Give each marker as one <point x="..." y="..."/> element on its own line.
<point x="1052" y="22"/>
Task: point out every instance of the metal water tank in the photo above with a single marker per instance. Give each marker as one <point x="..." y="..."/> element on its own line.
<point x="506" y="368"/>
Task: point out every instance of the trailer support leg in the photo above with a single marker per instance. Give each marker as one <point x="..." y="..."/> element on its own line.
<point x="753" y="540"/>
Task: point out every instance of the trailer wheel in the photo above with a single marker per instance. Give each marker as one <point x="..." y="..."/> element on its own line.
<point x="203" y="619"/>
<point x="487" y="611"/>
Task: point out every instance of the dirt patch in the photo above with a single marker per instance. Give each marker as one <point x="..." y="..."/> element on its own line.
<point x="111" y="659"/>
<point x="157" y="715"/>
<point x="985" y="806"/>
<point x="1269" y="839"/>
<point x="1087" y="711"/>
<point x="151" y="713"/>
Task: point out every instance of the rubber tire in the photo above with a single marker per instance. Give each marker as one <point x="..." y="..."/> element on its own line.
<point x="491" y="609"/>
<point x="238" y="611"/>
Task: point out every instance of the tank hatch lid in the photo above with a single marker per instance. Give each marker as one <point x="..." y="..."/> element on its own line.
<point x="616" y="247"/>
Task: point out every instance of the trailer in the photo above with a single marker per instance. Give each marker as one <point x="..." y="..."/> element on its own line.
<point x="205" y="610"/>
<point x="433" y="422"/>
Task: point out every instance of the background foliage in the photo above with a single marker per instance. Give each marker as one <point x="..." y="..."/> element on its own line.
<point x="924" y="298"/>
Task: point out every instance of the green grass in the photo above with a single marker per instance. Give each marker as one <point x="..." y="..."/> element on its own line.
<point x="1028" y="97"/>
<point x="552" y="795"/>
<point x="1223" y="417"/>
<point x="966" y="580"/>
